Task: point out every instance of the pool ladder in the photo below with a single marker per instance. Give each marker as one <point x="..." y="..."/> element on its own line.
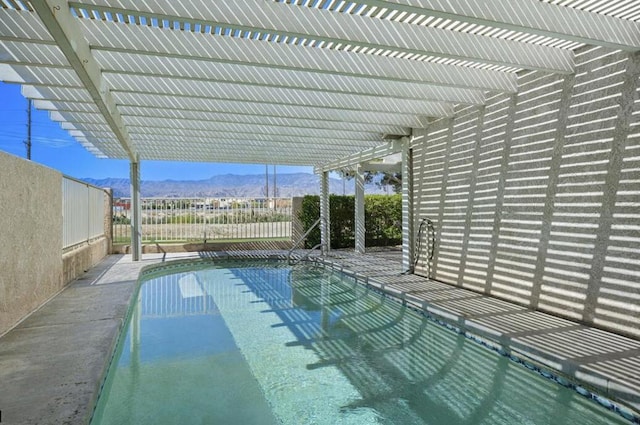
<point x="431" y="245"/>
<point x="293" y="261"/>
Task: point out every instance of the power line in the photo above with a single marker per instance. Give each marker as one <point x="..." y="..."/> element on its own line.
<point x="13" y="134"/>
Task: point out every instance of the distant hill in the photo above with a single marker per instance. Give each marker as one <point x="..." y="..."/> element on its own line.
<point x="231" y="185"/>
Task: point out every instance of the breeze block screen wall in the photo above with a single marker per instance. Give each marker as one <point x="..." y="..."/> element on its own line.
<point x="536" y="196"/>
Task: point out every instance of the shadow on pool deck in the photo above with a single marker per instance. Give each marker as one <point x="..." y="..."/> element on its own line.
<point x="52" y="363"/>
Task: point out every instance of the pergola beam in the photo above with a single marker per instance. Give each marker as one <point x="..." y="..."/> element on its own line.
<point x="331" y="130"/>
<point x="154" y="101"/>
<point x="200" y="119"/>
<point x="33" y="53"/>
<point x="107" y="36"/>
<point x="346" y="29"/>
<point x="39" y="76"/>
<point x="33" y="58"/>
<point x="87" y="120"/>
<point x="254" y="156"/>
<point x="528" y="16"/>
<point x="381" y="167"/>
<point x="362" y="156"/>
<point x="212" y="91"/>
<point x="64" y="29"/>
<point x="247" y="129"/>
<point x="161" y="136"/>
<point x="277" y="141"/>
<point x="196" y="70"/>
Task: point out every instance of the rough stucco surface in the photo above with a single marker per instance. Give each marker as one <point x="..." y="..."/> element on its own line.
<point x="31" y="222"/>
<point x="78" y="261"/>
<point x="535" y="196"/>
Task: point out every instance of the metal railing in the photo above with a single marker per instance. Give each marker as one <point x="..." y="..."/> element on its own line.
<point x="83" y="212"/>
<point x="205" y="219"/>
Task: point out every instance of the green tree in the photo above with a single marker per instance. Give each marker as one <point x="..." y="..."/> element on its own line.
<point x="382" y="179"/>
<point x="391" y="179"/>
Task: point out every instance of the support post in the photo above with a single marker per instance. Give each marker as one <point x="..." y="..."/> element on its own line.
<point x="108" y="218"/>
<point x="408" y="236"/>
<point x="359" y="210"/>
<point x="325" y="238"/>
<point x="136" y="211"/>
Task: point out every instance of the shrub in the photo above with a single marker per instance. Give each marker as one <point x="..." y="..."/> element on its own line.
<point x="383" y="220"/>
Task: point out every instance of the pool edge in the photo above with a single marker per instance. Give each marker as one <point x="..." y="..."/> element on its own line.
<point x="518" y="352"/>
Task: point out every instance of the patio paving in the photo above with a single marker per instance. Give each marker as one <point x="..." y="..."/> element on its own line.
<point x="52" y="363"/>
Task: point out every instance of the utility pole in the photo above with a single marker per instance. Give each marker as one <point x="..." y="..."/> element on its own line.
<point x="28" y="142"/>
<point x="266" y="180"/>
<point x="275" y="191"/>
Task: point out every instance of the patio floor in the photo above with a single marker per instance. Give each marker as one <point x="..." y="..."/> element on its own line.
<point x="52" y="363"/>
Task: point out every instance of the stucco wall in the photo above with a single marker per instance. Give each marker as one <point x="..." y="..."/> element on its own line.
<point x="32" y="265"/>
<point x="31" y="248"/>
<point x="83" y="257"/>
<point x="536" y="196"/>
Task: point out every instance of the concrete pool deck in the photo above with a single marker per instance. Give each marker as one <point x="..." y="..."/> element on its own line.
<point x="52" y="363"/>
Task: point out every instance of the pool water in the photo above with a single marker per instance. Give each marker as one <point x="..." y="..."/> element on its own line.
<point x="265" y="343"/>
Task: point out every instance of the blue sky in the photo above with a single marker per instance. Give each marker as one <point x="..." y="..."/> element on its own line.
<point x="53" y="147"/>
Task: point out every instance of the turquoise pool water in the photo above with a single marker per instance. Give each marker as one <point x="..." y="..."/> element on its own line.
<point x="264" y="343"/>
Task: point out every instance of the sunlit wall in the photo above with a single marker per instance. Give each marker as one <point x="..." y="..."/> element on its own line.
<point x="536" y="196"/>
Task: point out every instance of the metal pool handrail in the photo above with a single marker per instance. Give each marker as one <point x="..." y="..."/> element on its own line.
<point x="303" y="237"/>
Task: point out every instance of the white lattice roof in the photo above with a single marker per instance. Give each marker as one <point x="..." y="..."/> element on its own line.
<point x="290" y="82"/>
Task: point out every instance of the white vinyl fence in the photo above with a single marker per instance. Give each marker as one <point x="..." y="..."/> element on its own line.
<point x="82" y="212"/>
<point x="205" y="219"/>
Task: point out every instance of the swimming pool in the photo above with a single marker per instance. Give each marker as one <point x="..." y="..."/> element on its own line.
<point x="250" y="342"/>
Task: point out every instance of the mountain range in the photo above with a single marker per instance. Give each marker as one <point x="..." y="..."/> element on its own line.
<point x="232" y="185"/>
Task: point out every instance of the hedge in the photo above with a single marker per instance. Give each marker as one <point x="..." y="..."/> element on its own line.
<point x="382" y="217"/>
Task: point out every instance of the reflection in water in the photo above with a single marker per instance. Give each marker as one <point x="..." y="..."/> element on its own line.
<point x="256" y="344"/>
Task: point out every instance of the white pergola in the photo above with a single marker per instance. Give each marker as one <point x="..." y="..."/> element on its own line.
<point x="327" y="83"/>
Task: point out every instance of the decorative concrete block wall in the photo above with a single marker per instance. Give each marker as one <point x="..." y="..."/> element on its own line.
<point x="536" y="196"/>
<point x="31" y="242"/>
